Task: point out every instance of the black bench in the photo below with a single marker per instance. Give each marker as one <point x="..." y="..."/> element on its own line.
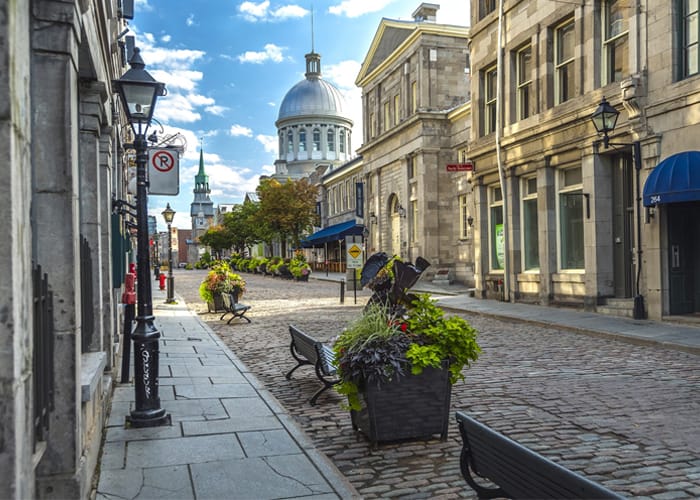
<point x="232" y="306"/>
<point x="517" y="471"/>
<point x="309" y="351"/>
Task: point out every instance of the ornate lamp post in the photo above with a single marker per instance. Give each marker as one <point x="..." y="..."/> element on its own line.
<point x="168" y="215"/>
<point x="138" y="92"/>
<point x="604" y="120"/>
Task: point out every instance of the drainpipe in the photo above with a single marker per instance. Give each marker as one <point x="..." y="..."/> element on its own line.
<point x="499" y="159"/>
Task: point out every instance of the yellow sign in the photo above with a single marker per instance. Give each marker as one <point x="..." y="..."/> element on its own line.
<point x="355" y="251"/>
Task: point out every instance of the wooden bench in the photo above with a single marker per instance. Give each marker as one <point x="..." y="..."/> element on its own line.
<point x="233" y="307"/>
<point x="308" y="351"/>
<point x="517" y="471"/>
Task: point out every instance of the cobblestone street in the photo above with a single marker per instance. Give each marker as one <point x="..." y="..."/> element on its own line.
<point x="624" y="415"/>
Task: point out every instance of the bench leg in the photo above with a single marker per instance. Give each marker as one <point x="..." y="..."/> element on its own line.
<point x="313" y="399"/>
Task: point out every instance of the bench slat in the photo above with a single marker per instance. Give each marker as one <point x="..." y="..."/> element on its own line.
<point x="519" y="471"/>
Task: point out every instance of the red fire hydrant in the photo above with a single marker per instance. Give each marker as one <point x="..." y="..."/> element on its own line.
<point x="162" y="281"/>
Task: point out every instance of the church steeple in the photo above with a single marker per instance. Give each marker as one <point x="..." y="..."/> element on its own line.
<point x="201" y="180"/>
<point x="202" y="207"/>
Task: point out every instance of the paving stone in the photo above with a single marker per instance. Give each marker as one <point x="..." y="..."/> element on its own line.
<point x="182" y="451"/>
<point x="155" y="482"/>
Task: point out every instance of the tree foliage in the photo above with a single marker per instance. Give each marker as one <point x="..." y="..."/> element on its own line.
<point x="216" y="238"/>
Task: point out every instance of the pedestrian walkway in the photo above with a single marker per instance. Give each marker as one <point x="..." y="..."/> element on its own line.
<point x="458" y="297"/>
<point x="229" y="437"/>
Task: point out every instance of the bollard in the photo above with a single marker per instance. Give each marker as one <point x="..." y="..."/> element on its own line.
<point x="342" y="291"/>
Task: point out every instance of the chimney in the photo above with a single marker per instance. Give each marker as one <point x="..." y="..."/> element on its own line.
<point x="425" y="13"/>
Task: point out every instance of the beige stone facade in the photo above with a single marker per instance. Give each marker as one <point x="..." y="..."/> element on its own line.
<point x="558" y="216"/>
<point x="415" y="85"/>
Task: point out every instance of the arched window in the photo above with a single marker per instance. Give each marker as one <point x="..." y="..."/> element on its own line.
<point x="330" y="138"/>
<point x="290" y="142"/>
<point x="317" y="139"/>
<point x="341" y="142"/>
<point x="302" y="139"/>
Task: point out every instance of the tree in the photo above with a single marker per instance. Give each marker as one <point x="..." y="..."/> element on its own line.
<point x="288" y="210"/>
<point x="242" y="226"/>
<point x="216" y="238"/>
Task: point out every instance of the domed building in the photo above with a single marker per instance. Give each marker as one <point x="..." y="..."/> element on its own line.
<point x="312" y="127"/>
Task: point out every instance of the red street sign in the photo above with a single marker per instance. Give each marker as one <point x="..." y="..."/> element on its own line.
<point x="460" y="167"/>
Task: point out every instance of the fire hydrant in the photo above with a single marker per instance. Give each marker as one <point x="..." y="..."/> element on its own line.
<point x="162" y="281"/>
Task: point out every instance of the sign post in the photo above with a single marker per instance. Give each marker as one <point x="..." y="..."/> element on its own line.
<point x="163" y="171"/>
<point x="354" y="258"/>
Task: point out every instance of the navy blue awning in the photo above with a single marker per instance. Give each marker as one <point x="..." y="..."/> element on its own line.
<point x="333" y="233"/>
<point x="675" y="180"/>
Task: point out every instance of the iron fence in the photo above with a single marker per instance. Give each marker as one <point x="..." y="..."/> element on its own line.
<point x="43" y="354"/>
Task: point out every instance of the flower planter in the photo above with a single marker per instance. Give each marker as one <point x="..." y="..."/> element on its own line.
<point x="303" y="277"/>
<point x="411" y="407"/>
<point x="218" y="303"/>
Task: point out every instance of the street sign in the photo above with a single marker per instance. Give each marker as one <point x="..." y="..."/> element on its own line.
<point x="460" y="167"/>
<point x="163" y="171"/>
<point x="354" y="259"/>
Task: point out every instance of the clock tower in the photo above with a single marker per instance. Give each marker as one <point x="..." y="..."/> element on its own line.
<point x="201" y="211"/>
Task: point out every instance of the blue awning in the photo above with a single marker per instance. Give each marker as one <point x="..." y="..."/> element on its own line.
<point x="675" y="180"/>
<point x="333" y="233"/>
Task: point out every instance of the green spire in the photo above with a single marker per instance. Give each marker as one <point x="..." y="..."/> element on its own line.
<point x="201" y="180"/>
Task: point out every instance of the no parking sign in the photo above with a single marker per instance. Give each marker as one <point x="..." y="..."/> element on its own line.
<point x="163" y="171"/>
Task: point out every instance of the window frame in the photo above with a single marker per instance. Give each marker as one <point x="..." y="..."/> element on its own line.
<point x="684" y="40"/>
<point x="524" y="85"/>
<point x="609" y="45"/>
<point x="330" y="139"/>
<point x="302" y="140"/>
<point x="316" y="139"/>
<point x="387" y="117"/>
<point x="495" y="203"/>
<point x="572" y="191"/>
<point x="397" y="109"/>
<point x="490" y="101"/>
<point x="564" y="67"/>
<point x="463" y="204"/>
<point x="526" y="199"/>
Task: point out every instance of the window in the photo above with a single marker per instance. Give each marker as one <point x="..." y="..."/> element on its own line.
<point x="463" y="218"/>
<point x="564" y="62"/>
<point x="341" y="142"/>
<point x="330" y="139"/>
<point x="411" y="166"/>
<point x="372" y="125"/>
<point x="413" y="221"/>
<point x="690" y="27"/>
<point x="571" y="219"/>
<point x="302" y="139"/>
<point x="331" y="202"/>
<point x="497" y="234"/>
<point x="490" y="81"/>
<point x="317" y="139"/>
<point x="397" y="109"/>
<point x="386" y="116"/>
<point x="486" y="7"/>
<point x="531" y="256"/>
<point x="615" y="41"/>
<point x="290" y="142"/>
<point x="414" y="97"/>
<point x="462" y="155"/>
<point x="524" y="69"/>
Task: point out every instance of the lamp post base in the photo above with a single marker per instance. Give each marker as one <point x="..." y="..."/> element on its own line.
<point x="148" y="418"/>
<point x="638" y="311"/>
<point x="171" y="290"/>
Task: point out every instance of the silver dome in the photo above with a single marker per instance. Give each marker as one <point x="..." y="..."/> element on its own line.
<point x="312" y="96"/>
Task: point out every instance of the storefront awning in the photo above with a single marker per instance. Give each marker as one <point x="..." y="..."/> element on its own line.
<point x="675" y="180"/>
<point x="333" y="233"/>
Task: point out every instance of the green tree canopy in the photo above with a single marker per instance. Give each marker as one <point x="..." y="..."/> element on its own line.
<point x="216" y="238"/>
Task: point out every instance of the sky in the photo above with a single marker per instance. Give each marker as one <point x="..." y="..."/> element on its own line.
<point x="227" y="65"/>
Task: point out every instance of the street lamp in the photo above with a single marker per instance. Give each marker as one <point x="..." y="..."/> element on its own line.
<point x="138" y="92"/>
<point x="168" y="215"/>
<point x="604" y="120"/>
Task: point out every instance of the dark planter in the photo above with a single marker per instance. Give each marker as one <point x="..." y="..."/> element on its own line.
<point x="411" y="407"/>
<point x="303" y="277"/>
<point x="218" y="303"/>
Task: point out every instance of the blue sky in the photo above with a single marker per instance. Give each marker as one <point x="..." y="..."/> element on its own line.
<point x="228" y="64"/>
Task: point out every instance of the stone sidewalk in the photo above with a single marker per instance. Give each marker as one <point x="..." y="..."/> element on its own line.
<point x="229" y="437"/>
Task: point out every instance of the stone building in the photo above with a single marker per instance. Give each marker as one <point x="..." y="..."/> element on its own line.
<point x="415" y="95"/>
<point x="201" y="212"/>
<point x="312" y="127"/>
<point x="558" y="215"/>
<point x="64" y="250"/>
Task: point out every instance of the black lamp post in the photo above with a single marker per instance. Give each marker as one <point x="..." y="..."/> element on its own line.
<point x="138" y="92"/>
<point x="168" y="215"/>
<point x="604" y="119"/>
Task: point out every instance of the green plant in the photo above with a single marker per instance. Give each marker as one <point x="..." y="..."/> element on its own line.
<point x="220" y="280"/>
<point x="377" y="347"/>
<point x="299" y="268"/>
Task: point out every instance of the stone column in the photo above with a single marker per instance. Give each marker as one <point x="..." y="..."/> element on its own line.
<point x="55" y="37"/>
<point x="547" y="228"/>
<point x="91" y="201"/>
<point x="109" y="317"/>
<point x="16" y="407"/>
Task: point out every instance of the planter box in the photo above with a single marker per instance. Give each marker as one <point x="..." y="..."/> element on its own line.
<point x="303" y="277"/>
<point x="217" y="305"/>
<point x="412" y="407"/>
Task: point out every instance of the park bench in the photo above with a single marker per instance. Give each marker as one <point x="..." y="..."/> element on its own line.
<point x="517" y="471"/>
<point x="233" y="307"/>
<point x="308" y="351"/>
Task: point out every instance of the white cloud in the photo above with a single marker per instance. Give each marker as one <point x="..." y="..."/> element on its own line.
<point x="254" y="12"/>
<point x="343" y="76"/>
<point x="200" y="100"/>
<point x="357" y="8"/>
<point x="272" y="104"/>
<point x="267" y="170"/>
<point x="269" y="142"/>
<point x="142" y="5"/>
<point x="272" y="53"/>
<point x="190" y="20"/>
<point x="240" y="131"/>
<point x="215" y="109"/>
<point x="178" y="79"/>
<point x="166" y="38"/>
